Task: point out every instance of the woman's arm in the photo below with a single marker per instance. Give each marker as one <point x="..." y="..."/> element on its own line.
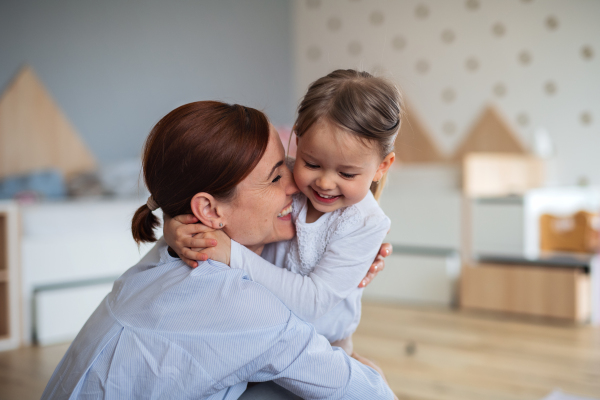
<point x="304" y="363"/>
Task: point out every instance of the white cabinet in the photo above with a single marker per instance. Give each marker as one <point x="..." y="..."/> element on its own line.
<point x="510" y="225"/>
<point x="417" y="278"/>
<point x="70" y="252"/>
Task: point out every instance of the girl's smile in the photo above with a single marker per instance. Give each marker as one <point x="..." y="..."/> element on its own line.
<point x="335" y="168"/>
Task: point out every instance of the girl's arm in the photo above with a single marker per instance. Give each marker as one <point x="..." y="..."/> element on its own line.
<point x="337" y="274"/>
<point x="185" y="236"/>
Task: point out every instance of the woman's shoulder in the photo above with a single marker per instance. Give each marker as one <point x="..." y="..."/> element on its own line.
<point x="171" y="294"/>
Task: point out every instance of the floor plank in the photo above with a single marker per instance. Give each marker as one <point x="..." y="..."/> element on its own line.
<point x="426" y="353"/>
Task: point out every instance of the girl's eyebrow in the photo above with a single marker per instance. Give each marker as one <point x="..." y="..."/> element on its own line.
<point x="279" y="164"/>
<point x="351" y="167"/>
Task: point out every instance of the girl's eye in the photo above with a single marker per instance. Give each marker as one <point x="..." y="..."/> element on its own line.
<point x="278" y="177"/>
<point x="349" y="176"/>
<point x="311" y="166"/>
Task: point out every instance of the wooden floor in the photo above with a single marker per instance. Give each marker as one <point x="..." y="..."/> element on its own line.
<point x="426" y="354"/>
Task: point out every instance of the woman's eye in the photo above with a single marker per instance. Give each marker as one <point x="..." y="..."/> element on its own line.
<point x="349" y="176"/>
<point x="311" y="166"/>
<point x="278" y="177"/>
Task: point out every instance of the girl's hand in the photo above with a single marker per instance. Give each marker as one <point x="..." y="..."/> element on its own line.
<point x="378" y="265"/>
<point x="182" y="234"/>
<point x="220" y="252"/>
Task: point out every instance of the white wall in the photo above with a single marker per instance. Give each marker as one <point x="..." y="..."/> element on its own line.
<point x="452" y="57"/>
<point x="116" y="67"/>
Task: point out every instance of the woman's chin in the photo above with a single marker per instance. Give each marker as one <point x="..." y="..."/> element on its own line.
<point x="285" y="229"/>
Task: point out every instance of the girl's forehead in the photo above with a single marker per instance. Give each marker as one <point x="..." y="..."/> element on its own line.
<point x="325" y="135"/>
<point x="338" y="147"/>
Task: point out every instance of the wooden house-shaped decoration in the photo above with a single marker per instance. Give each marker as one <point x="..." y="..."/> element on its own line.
<point x="491" y="133"/>
<point x="414" y="143"/>
<point x="35" y="134"/>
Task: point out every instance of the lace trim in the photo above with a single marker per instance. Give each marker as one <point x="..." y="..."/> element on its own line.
<point x="310" y="243"/>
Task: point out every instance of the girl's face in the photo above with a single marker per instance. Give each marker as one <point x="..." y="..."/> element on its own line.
<point x="334" y="168"/>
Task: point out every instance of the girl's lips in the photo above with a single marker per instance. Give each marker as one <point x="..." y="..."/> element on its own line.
<point x="324" y="200"/>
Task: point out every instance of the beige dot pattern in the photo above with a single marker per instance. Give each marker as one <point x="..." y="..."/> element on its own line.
<point x="422" y="11"/>
<point x="422" y="66"/>
<point x="552" y="23"/>
<point x="498" y="29"/>
<point x="448" y="36"/>
<point x="376" y="18"/>
<point x="334" y="24"/>
<point x="550" y="88"/>
<point x="472" y="4"/>
<point x="313" y="53"/>
<point x="354" y="48"/>
<point x="525" y="57"/>
<point x="398" y="42"/>
<point x="397" y="34"/>
<point x="499" y="89"/>
<point x="472" y="64"/>
<point x="523" y="119"/>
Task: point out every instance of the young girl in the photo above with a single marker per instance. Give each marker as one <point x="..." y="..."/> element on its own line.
<point x="346" y="127"/>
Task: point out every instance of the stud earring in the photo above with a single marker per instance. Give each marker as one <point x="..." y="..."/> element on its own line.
<point x="220" y="224"/>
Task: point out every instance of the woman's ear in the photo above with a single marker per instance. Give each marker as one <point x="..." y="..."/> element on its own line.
<point x="384" y="166"/>
<point x="208" y="210"/>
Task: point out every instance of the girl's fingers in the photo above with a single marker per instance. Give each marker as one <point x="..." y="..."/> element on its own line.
<point x="194" y="229"/>
<point x="385" y="250"/>
<point x="194" y="255"/>
<point x="186" y="219"/>
<point x="197" y="244"/>
<point x="190" y="263"/>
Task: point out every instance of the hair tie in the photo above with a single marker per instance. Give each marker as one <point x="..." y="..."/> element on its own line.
<point x="152" y="205"/>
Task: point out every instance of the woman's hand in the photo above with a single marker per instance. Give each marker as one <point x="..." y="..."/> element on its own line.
<point x="377" y="266"/>
<point x="183" y="234"/>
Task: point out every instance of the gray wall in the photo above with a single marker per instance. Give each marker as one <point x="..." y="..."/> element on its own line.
<point x="115" y="67"/>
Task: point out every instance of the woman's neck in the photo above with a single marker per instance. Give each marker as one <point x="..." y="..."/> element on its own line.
<point x="312" y="214"/>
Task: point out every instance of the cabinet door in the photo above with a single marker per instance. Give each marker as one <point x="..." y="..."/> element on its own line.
<point x="498" y="226"/>
<point x="60" y="314"/>
<point x="416" y="279"/>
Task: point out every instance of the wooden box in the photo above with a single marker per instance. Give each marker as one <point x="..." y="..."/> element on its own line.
<point x="579" y="232"/>
<point x="501" y="174"/>
<point x="555" y="292"/>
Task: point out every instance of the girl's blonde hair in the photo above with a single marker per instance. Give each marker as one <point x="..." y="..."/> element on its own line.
<point x="367" y="106"/>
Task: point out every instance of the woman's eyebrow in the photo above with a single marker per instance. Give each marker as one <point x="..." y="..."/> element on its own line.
<point x="279" y="164"/>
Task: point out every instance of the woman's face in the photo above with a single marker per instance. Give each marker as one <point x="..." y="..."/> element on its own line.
<point x="260" y="213"/>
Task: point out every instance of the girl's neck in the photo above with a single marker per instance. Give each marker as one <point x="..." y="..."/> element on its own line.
<point x="312" y="214"/>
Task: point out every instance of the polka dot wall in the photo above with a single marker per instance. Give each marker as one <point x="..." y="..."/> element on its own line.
<point x="538" y="61"/>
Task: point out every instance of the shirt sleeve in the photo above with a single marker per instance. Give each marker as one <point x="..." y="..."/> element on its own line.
<point x="304" y="363"/>
<point x="340" y="270"/>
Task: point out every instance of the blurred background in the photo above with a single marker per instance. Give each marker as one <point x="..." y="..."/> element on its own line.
<point x="493" y="290"/>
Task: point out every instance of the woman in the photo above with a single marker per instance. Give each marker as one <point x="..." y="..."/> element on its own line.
<point x="168" y="331"/>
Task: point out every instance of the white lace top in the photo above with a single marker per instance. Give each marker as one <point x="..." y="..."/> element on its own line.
<point x="322" y="265"/>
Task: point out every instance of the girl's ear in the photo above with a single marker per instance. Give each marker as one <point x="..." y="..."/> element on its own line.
<point x="208" y="210"/>
<point x="384" y="166"/>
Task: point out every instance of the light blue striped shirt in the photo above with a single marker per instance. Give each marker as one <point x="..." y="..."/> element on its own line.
<point x="170" y="332"/>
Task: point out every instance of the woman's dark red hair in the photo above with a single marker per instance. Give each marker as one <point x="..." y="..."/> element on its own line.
<point x="206" y="146"/>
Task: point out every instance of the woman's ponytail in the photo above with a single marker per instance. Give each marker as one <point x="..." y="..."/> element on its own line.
<point x="143" y="224"/>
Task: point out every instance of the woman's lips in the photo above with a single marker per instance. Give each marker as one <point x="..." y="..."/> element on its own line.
<point x="325" y="200"/>
<point x="286" y="213"/>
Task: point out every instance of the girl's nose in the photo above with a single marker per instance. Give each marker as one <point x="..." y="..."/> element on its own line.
<point x="325" y="183"/>
<point x="290" y="185"/>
